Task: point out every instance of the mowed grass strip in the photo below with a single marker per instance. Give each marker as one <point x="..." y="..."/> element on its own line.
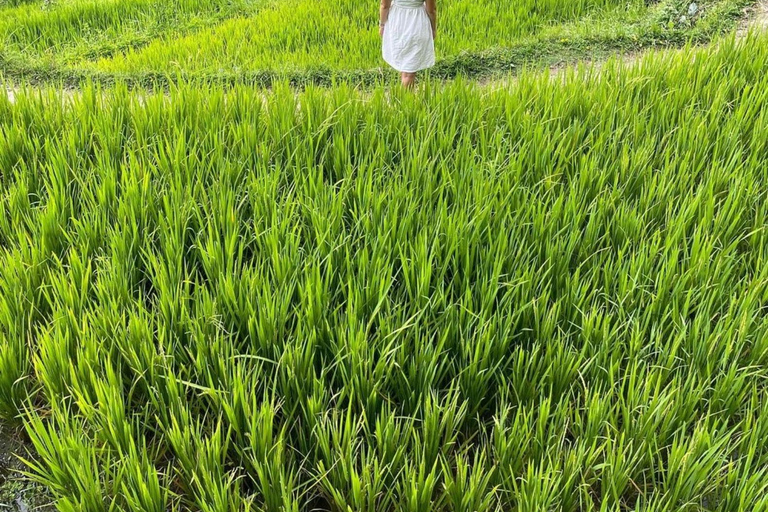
<point x="548" y="297"/>
<point x="14" y="3"/>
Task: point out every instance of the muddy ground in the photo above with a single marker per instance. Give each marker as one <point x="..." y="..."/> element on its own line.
<point x="18" y="493"/>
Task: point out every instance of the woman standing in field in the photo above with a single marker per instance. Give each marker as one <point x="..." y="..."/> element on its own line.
<point x="408" y="29"/>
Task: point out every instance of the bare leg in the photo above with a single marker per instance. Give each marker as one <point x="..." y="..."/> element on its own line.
<point x="408" y="79"/>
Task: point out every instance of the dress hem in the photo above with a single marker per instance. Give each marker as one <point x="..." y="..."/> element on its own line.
<point x="408" y="70"/>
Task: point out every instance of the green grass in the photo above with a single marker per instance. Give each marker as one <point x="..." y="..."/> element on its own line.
<point x="66" y="33"/>
<point x="549" y="296"/>
<point x="263" y="41"/>
<point x="343" y="35"/>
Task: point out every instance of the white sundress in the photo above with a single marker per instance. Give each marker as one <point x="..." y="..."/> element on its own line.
<point x="407" y="44"/>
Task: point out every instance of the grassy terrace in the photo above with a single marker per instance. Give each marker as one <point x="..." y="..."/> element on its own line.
<point x="262" y="41"/>
<point x="549" y="296"/>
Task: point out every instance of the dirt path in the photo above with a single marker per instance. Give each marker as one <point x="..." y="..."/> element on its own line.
<point x="755" y="18"/>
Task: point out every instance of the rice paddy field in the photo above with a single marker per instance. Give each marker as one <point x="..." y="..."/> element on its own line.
<point x="306" y="41"/>
<point x="545" y="293"/>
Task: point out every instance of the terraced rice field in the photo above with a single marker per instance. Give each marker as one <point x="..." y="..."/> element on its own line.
<point x="309" y="41"/>
<point x="544" y="297"/>
<point x="539" y="294"/>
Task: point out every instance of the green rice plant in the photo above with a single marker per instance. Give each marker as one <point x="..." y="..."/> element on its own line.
<point x="545" y="294"/>
<point x="468" y="486"/>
